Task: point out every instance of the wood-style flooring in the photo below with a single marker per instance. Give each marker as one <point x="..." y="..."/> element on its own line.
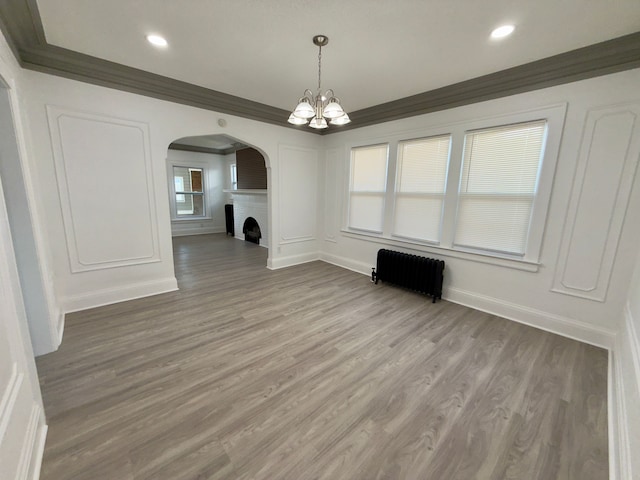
<point x="313" y="372"/>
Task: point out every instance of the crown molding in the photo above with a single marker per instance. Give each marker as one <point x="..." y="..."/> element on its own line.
<point x="611" y="56"/>
<point x="22" y="27"/>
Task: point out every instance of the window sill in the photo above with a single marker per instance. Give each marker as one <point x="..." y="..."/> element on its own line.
<point x="514" y="263"/>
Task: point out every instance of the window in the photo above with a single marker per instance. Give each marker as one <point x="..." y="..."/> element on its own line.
<point x="474" y="189"/>
<point x="420" y="188"/>
<point x="189" y="191"/>
<point x="234" y="176"/>
<point x="498" y="186"/>
<point x="368" y="187"/>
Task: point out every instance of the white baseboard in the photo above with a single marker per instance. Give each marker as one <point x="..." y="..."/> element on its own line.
<point x="197" y="231"/>
<point x="33" y="446"/>
<point x="261" y="244"/>
<point x="39" y="453"/>
<point x="613" y="417"/>
<point x="60" y="329"/>
<point x="291" y="260"/>
<point x="550" y="322"/>
<point x="634" y="343"/>
<point x="119" y="294"/>
<point x="619" y="454"/>
<point x="567" y="327"/>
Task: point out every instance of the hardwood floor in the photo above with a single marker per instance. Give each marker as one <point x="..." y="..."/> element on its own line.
<point x="312" y="372"/>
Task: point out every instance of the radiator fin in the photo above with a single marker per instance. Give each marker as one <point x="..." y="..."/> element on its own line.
<point x="414" y="272"/>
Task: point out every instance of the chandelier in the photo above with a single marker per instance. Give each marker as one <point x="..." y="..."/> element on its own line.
<point x="321" y="107"/>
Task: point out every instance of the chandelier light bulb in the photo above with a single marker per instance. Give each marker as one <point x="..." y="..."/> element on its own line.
<point x="333" y="109"/>
<point x="318" y="123"/>
<point x="304" y="109"/>
<point x="296" y="120"/>
<point x="343" y="120"/>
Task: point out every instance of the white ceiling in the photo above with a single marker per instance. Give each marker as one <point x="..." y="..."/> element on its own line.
<point x="379" y="50"/>
<point x="217" y="142"/>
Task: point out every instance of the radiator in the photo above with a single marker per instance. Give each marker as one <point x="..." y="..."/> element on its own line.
<point x="417" y="273"/>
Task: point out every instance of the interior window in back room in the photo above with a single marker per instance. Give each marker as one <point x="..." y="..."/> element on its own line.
<point x="189" y="191"/>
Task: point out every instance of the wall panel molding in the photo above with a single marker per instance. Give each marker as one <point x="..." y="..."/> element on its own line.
<point x="605" y="173"/>
<point x="298" y="176"/>
<point x="331" y="195"/>
<point x="99" y="162"/>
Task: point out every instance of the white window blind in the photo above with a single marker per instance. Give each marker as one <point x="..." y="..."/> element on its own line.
<point x="498" y="187"/>
<point x="421" y="182"/>
<point x="368" y="187"/>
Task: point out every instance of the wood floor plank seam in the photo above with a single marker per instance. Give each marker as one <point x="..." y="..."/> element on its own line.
<point x="313" y="372"/>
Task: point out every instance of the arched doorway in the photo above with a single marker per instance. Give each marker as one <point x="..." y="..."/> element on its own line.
<point x="216" y="182"/>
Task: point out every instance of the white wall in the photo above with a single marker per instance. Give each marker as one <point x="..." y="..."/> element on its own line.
<point x="627" y="382"/>
<point x="602" y="108"/>
<point x="215" y="181"/>
<point x="22" y="420"/>
<point x="92" y="115"/>
<point x="45" y="319"/>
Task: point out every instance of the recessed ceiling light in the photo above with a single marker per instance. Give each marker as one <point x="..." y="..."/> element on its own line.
<point x="157" y="40"/>
<point x="503" y="31"/>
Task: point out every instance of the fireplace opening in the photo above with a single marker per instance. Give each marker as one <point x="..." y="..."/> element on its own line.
<point x="251" y="231"/>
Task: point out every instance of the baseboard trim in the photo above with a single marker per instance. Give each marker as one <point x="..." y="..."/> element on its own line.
<point x="619" y="454"/>
<point x="37" y="458"/>
<point x="550" y="322"/>
<point x="291" y="260"/>
<point x="32" y="447"/>
<point x="197" y="231"/>
<point x="261" y="244"/>
<point x="634" y="341"/>
<point x="120" y="294"/>
<point x="60" y="328"/>
<point x="564" y="326"/>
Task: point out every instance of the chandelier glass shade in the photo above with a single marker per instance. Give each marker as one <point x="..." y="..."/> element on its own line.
<point x="317" y="109"/>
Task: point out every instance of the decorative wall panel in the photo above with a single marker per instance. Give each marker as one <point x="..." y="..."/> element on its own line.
<point x="298" y="194"/>
<point x="331" y="220"/>
<point x="607" y="164"/>
<point x="105" y="180"/>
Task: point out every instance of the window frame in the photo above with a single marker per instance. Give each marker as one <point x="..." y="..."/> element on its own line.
<point x="554" y="115"/>
<point x="382" y="193"/>
<point x="397" y="193"/>
<point x="533" y="196"/>
<point x="233" y="176"/>
<point x="172" y="191"/>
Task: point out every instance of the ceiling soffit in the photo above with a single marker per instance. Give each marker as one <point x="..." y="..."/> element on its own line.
<point x="22" y="27"/>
